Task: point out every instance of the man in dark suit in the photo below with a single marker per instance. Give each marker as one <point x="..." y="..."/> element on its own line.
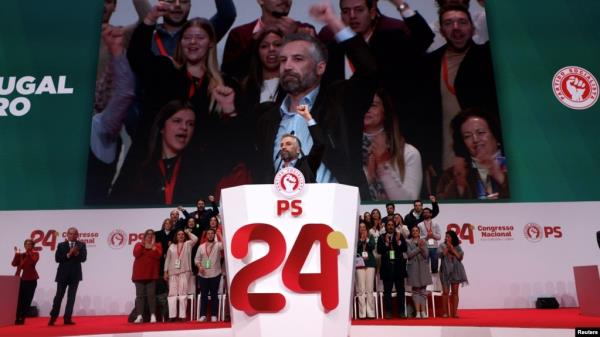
<point x="201" y="214"/>
<point x="291" y="154"/>
<point x="457" y="76"/>
<point x="390" y="246"/>
<point x="396" y="45"/>
<point x="337" y="107"/>
<point x="69" y="256"/>
<point x="238" y="48"/>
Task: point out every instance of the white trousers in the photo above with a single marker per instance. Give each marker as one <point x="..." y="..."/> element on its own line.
<point x="178" y="290"/>
<point x="365" y="279"/>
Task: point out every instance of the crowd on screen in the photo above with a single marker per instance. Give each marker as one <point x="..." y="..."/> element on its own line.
<point x="395" y="256"/>
<point x="399" y="107"/>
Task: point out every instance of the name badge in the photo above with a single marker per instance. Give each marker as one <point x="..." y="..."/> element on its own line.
<point x="178" y="264"/>
<point x="392" y="255"/>
<point x="365" y="255"/>
<point x="207" y="264"/>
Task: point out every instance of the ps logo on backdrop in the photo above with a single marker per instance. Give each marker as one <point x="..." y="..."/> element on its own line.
<point x="575" y="87"/>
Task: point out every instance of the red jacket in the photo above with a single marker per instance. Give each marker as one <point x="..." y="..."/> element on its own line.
<point x="26" y="262"/>
<point x="146" y="263"/>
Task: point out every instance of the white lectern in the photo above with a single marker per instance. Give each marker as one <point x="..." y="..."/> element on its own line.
<point x="290" y="259"/>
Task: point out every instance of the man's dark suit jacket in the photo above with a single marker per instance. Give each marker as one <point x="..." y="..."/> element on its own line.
<point x="339" y="110"/>
<point x="69" y="268"/>
<point x="238" y="50"/>
<point x="309" y="164"/>
<point x="397" y="47"/>
<point x="475" y="88"/>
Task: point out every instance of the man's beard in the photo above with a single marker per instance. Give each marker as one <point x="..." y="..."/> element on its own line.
<point x="287" y="155"/>
<point x="294" y="84"/>
<point x="173" y="23"/>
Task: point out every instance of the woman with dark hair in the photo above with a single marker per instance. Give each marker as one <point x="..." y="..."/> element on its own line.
<point x="392" y="167"/>
<point x="366" y="218"/>
<point x="378" y="226"/>
<point x="452" y="272"/>
<point x="215" y="225"/>
<point x="170" y="173"/>
<point x="178" y="269"/>
<point x="262" y="83"/>
<point x="479" y="169"/>
<point x="25" y="262"/>
<point x="145" y="274"/>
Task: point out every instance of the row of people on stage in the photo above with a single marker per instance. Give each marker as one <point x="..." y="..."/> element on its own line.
<point x="405" y="251"/>
<point x="186" y="254"/>
<point x="169" y="123"/>
<point x="185" y="257"/>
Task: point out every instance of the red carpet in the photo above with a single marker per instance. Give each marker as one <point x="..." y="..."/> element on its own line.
<point x="508" y="318"/>
<point x="515" y="318"/>
<point x="92" y="325"/>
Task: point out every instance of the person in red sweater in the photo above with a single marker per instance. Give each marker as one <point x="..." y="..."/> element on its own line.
<point x="145" y="274"/>
<point x="25" y="263"/>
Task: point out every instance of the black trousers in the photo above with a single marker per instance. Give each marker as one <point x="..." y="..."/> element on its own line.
<point x="209" y="287"/>
<point x="61" y="288"/>
<point x="26" y="291"/>
<point x="387" y="295"/>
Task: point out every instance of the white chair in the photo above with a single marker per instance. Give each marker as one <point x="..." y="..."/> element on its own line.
<point x="430" y="290"/>
<point x="191" y="298"/>
<point x="377" y="299"/>
<point x="222" y="298"/>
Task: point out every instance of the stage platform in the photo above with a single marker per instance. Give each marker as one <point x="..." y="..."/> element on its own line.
<point x="475" y="323"/>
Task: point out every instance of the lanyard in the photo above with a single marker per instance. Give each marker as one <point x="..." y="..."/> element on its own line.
<point x="352" y="67"/>
<point x="427" y="226"/>
<point x="208" y="252"/>
<point x="194" y="83"/>
<point x="161" y="47"/>
<point x="182" y="248"/>
<point x="449" y="86"/>
<point x="169" y="183"/>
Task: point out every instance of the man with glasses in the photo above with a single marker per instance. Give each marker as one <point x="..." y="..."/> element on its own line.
<point x="458" y="75"/>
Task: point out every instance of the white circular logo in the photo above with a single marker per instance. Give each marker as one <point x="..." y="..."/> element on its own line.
<point x="289" y="182"/>
<point x="117" y="239"/>
<point x="575" y="87"/>
<point x="533" y="232"/>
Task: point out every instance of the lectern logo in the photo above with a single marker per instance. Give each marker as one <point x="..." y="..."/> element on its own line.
<point x="289" y="182"/>
<point x="575" y="87"/>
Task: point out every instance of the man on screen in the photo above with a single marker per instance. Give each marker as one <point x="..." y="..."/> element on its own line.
<point x="337" y="107"/>
<point x="458" y="76"/>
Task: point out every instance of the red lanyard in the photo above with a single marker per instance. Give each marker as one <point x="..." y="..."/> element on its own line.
<point x="352" y="68"/>
<point x="180" y="251"/>
<point x="193" y="84"/>
<point x="161" y="47"/>
<point x="427" y="225"/>
<point x="169" y="183"/>
<point x="449" y="86"/>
